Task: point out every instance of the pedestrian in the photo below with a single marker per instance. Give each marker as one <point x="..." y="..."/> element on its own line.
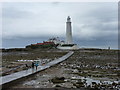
<point x="26" y="66"/>
<point x="36" y="65"/>
<point x="33" y="64"/>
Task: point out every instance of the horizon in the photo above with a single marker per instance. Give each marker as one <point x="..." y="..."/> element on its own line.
<point x="95" y="25"/>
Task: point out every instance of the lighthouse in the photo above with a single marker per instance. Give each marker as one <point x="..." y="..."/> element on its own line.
<point x="69" y="31"/>
<point x="69" y="45"/>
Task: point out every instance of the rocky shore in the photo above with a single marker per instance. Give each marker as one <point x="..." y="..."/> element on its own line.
<point x="97" y="69"/>
<point x="15" y="61"/>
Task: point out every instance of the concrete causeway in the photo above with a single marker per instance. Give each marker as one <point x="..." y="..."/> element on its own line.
<point x="24" y="73"/>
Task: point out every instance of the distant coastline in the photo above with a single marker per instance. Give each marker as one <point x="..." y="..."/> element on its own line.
<point x="27" y="49"/>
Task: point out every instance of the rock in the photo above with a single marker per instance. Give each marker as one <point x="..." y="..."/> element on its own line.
<point x="58" y="80"/>
<point x="57" y="86"/>
<point x="75" y="71"/>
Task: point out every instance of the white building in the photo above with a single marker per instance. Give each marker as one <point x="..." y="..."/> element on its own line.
<point x="56" y="40"/>
<point x="69" y="41"/>
<point x="69" y="31"/>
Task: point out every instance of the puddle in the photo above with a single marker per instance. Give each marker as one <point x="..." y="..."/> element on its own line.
<point x="31" y="82"/>
<point x="90" y="80"/>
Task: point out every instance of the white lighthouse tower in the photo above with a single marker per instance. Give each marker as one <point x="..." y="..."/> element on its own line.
<point x="69" y="41"/>
<point x="69" y="31"/>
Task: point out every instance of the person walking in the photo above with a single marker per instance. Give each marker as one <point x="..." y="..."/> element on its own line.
<point x="26" y="66"/>
<point x="36" y="65"/>
<point x="33" y="64"/>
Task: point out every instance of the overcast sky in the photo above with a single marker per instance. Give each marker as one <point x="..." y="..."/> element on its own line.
<point x="93" y="24"/>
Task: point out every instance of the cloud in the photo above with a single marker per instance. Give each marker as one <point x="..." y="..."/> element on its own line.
<point x="90" y="21"/>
